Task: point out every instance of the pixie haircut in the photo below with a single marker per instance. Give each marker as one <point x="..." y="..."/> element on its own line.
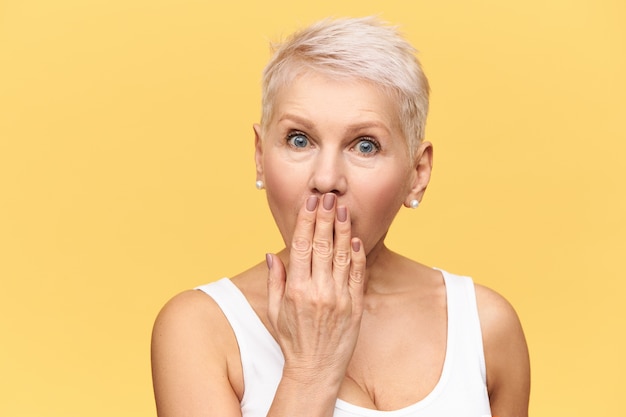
<point x="355" y="48"/>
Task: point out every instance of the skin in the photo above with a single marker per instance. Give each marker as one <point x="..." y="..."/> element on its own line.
<point x="337" y="170"/>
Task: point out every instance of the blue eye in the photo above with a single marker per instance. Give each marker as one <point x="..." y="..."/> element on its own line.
<point x="366" y="146"/>
<point x="298" y="140"/>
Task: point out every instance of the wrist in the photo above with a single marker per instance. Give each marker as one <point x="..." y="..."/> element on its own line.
<point x="305" y="393"/>
<point x="321" y="381"/>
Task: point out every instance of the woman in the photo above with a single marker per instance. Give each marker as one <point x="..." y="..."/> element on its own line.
<point x="336" y="324"/>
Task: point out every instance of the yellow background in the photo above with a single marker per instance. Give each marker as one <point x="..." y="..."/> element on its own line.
<point x="126" y="176"/>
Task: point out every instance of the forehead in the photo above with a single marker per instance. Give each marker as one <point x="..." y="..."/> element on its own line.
<point x="323" y="97"/>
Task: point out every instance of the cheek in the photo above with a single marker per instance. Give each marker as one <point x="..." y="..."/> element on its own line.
<point x="384" y="192"/>
<point x="377" y="204"/>
<point x="285" y="196"/>
<point x="282" y="183"/>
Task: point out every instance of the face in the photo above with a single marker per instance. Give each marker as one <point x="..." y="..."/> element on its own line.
<point x="344" y="137"/>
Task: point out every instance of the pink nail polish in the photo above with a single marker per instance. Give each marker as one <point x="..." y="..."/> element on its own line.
<point x="269" y="260"/>
<point x="342" y="214"/>
<point x="311" y="203"/>
<point x="329" y="200"/>
<point x="356" y="245"/>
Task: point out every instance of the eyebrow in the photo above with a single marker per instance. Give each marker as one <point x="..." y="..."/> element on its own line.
<point x="299" y="120"/>
<point x="350" y="128"/>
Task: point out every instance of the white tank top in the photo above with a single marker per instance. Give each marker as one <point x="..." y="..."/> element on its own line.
<point x="460" y="392"/>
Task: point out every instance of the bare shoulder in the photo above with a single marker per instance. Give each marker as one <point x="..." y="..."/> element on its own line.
<point x="496" y="313"/>
<point x="193" y="352"/>
<point x="506" y="354"/>
<point x="185" y="305"/>
<point x="192" y="317"/>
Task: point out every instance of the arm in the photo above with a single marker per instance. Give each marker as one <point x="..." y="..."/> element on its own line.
<point x="506" y="355"/>
<point x="190" y="360"/>
<point x="314" y="307"/>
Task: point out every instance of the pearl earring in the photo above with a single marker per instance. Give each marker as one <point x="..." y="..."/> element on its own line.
<point x="260" y="185"/>
<point x="414" y="204"/>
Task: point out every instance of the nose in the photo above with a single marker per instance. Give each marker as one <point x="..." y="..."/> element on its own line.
<point x="329" y="173"/>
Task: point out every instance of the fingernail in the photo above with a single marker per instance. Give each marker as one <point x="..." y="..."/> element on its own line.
<point x="311" y="203"/>
<point x="269" y="260"/>
<point x="329" y="200"/>
<point x="342" y="214"/>
<point x="356" y="245"/>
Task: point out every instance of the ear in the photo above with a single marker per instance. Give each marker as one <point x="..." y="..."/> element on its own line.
<point x="258" y="151"/>
<point x="422" y="167"/>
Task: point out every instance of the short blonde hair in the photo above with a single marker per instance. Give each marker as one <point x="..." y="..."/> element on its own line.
<point x="360" y="48"/>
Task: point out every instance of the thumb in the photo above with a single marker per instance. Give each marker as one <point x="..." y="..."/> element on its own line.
<point x="276" y="279"/>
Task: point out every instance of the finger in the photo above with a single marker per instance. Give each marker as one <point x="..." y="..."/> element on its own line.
<point x="322" y="260"/>
<point x="342" y="248"/>
<point x="302" y="241"/>
<point x="276" y="278"/>
<point x="356" y="283"/>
